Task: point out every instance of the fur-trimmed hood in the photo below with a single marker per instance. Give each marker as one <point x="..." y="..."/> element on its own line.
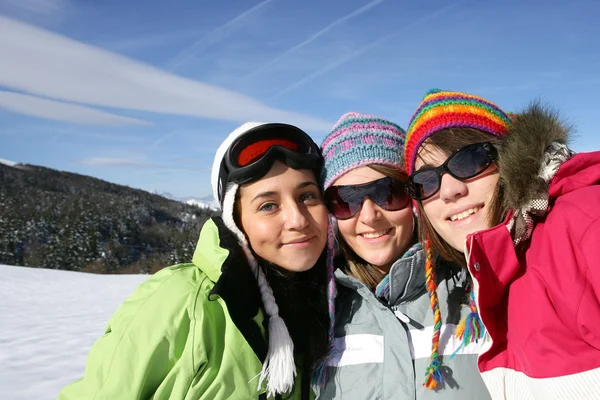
<point x="521" y="155"/>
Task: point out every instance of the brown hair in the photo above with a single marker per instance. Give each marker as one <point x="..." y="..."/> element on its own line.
<point x="448" y="141"/>
<point x="367" y="273"/>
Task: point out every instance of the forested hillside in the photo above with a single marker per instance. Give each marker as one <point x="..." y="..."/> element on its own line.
<point x="61" y="220"/>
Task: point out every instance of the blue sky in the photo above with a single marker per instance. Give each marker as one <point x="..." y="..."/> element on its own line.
<point x="142" y="93"/>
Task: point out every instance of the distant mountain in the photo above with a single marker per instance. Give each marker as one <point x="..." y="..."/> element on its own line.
<point x="9" y="163"/>
<point x="202" y="202"/>
<point x="63" y="220"/>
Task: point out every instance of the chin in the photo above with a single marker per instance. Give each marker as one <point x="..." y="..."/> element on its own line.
<point x="298" y="267"/>
<point x="379" y="263"/>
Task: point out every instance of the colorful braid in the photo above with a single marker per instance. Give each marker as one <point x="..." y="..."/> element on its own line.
<point x="433" y="375"/>
<point x="470" y="329"/>
<point x="444" y="109"/>
<point x="320" y="370"/>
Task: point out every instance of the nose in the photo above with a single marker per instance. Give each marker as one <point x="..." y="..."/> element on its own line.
<point x="294" y="215"/>
<point x="452" y="188"/>
<point x="369" y="212"/>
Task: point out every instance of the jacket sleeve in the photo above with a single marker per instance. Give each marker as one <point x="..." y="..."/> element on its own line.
<point x="145" y="349"/>
<point x="589" y="308"/>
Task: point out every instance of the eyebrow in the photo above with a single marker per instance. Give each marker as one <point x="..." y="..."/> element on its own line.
<point x="273" y="193"/>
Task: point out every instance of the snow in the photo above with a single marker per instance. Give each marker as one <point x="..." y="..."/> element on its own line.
<point x="49" y="321"/>
<point x="7" y="162"/>
<point x="202" y="202"/>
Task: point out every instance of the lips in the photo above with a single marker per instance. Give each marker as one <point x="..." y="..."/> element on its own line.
<point x="464" y="212"/>
<point x="302" y="240"/>
<point x="376" y="234"/>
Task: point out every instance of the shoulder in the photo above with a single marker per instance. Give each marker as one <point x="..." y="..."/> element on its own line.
<point x="162" y="296"/>
<point x="577" y="210"/>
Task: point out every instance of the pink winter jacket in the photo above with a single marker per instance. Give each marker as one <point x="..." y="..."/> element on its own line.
<point x="541" y="306"/>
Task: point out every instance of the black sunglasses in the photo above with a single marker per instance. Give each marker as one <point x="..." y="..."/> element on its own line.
<point x="346" y="200"/>
<point x="465" y="163"/>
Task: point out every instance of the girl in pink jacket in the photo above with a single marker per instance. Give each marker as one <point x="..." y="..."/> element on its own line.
<point x="504" y="196"/>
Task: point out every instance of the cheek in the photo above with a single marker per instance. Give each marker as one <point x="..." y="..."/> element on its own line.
<point x="258" y="232"/>
<point x="346" y="228"/>
<point x="432" y="207"/>
<point x="403" y="218"/>
<point x="322" y="217"/>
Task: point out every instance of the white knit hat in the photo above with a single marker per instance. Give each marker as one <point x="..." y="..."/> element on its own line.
<point x="279" y="369"/>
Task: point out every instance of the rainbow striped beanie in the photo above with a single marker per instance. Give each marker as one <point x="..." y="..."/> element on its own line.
<point x="357" y="140"/>
<point x="441" y="109"/>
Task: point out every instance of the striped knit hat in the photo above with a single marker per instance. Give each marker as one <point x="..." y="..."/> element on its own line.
<point x="440" y="110"/>
<point x="357" y="140"/>
<point x="443" y="109"/>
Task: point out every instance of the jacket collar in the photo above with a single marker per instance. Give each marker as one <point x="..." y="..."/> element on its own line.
<point x="407" y="280"/>
<point x="222" y="259"/>
<point x="209" y="255"/>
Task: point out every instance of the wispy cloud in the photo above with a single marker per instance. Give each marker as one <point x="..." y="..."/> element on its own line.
<point x="315" y="36"/>
<point x="151" y="40"/>
<point x="114" y="162"/>
<point x="47" y="64"/>
<point x="42" y="7"/>
<point x="43" y="11"/>
<point x="360" y="51"/>
<point x="136" y="163"/>
<point x="49" y="109"/>
<point x="211" y="38"/>
<point x="163" y="138"/>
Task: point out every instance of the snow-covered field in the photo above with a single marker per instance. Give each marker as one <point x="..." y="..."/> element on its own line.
<point x="48" y="321"/>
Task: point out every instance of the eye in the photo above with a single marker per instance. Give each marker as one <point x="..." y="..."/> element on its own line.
<point x="267" y="207"/>
<point x="309" y="197"/>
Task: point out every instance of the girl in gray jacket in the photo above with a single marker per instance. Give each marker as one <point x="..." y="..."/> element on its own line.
<point x="384" y="318"/>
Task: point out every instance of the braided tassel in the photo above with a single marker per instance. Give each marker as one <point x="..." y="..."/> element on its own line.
<point x="433" y="375"/>
<point x="470" y="329"/>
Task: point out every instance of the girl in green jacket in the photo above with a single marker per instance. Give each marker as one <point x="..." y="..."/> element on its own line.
<point x="199" y="330"/>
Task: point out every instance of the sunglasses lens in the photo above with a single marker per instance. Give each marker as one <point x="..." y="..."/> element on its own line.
<point x="425" y="183"/>
<point x="391" y="195"/>
<point x="469" y="162"/>
<point x="345" y="201"/>
<point x="338" y="206"/>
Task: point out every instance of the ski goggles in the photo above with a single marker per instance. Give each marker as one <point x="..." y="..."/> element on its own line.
<point x="252" y="154"/>
<point x="345" y="201"/>
<point x="465" y="163"/>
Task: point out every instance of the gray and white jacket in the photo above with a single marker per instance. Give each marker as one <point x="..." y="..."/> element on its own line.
<point x="381" y="351"/>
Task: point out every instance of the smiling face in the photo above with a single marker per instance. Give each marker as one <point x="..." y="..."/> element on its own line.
<point x="284" y="217"/>
<point x="460" y="207"/>
<point x="377" y="236"/>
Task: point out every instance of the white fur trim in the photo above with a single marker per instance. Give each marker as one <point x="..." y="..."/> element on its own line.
<point x="508" y="384"/>
<point x="279" y="369"/>
<point x="214" y="176"/>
